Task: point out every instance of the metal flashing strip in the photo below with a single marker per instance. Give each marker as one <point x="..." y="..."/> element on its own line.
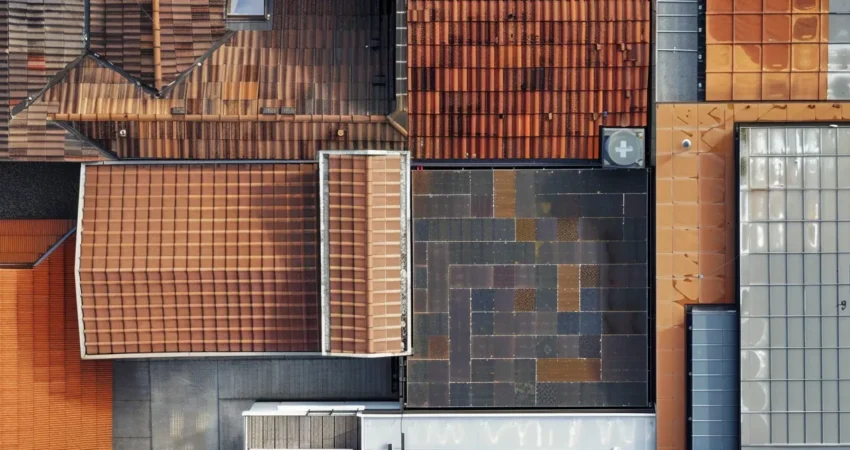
<point x="41" y="258"/>
<point x="324" y="269"/>
<point x="406" y="246"/>
<point x="77" y="282"/>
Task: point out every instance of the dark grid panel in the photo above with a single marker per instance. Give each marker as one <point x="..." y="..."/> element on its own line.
<point x="530" y="289"/>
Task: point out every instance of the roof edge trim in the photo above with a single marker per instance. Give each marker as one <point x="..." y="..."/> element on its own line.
<point x="105" y="63"/>
<point x="55" y="79"/>
<point x="77" y="282"/>
<point x="179" y="162"/>
<point x="54" y="246"/>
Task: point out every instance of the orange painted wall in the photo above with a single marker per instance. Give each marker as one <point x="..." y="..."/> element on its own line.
<point x="49" y="397"/>
<point x="696" y="222"/>
<point x="766" y="50"/>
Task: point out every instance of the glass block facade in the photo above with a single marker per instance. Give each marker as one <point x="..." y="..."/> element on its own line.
<point x="794" y="279"/>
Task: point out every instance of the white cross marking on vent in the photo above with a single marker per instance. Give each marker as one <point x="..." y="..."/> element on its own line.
<point x="624" y="149"/>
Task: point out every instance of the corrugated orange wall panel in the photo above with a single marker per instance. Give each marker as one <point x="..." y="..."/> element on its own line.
<point x="696" y="222"/>
<point x="24" y="241"/>
<point x="49" y="397"/>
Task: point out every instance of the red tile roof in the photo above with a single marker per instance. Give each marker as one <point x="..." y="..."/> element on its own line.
<point x="23" y="242"/>
<point x="199" y="258"/>
<point x="49" y="398"/>
<point x="366" y="251"/>
<point x="531" y="79"/>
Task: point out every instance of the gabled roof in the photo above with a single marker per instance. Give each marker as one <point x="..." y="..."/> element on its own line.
<point x="199" y="258"/>
<point x="26" y="243"/>
<point x="322" y="78"/>
<point x="187" y="258"/>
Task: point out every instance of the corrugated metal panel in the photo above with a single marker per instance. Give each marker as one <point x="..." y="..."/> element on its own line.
<point x="794" y="276"/>
<point x="509" y="432"/>
<point x="303" y="432"/>
<point x="713" y="419"/>
<point x="676" y="51"/>
<point x="25" y="241"/>
<point x="49" y="398"/>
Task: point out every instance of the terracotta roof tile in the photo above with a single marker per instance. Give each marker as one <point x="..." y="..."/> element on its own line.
<point x="330" y="61"/>
<point x="49" y="398"/>
<point x="366" y="252"/>
<point x="199" y="258"/>
<point x="532" y="79"/>
<point x="25" y="241"/>
<point x="122" y="32"/>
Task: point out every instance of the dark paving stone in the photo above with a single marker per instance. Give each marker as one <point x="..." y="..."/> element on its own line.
<point x="417" y="394"/>
<point x="635" y="205"/>
<point x="504" y="299"/>
<point x="503" y="323"/>
<point x="546" y="323"/>
<point x="594" y="229"/>
<point x="568" y="323"/>
<point x="559" y="206"/>
<point x="504" y="370"/>
<point x="482" y="182"/>
<point x="619" y="347"/>
<point x="420" y="253"/>
<point x="481" y="395"/>
<point x="590" y="323"/>
<point x="590" y="299"/>
<point x="525" y="370"/>
<point x="589" y="346"/>
<point x="483" y="370"/>
<point x="603" y="205"/>
<point x="624" y="323"/>
<point x="525" y="347"/>
<point x="503" y="276"/>
<point x="524" y="323"/>
<point x="547" y="230"/>
<point x="547" y="300"/>
<point x="483" y="299"/>
<point x="547" y="347"/>
<point x="503" y="346"/>
<point x="546" y="277"/>
<point x="623" y="299"/>
<point x="525" y="394"/>
<point x="420" y="278"/>
<point x="459" y="394"/>
<point x="568" y="346"/>
<point x="481" y="206"/>
<point x="482" y="323"/>
<point x="438" y="393"/>
<point x="482" y="347"/>
<point x="635" y="229"/>
<point x="504" y="395"/>
<point x="525" y="206"/>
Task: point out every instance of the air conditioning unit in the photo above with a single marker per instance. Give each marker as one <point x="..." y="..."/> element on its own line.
<point x="623" y="148"/>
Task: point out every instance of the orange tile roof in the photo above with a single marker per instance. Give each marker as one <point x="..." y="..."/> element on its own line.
<point x="49" y="398"/>
<point x="530" y="79"/>
<point x="23" y="242"/>
<point x="199" y="258"/>
<point x="366" y="249"/>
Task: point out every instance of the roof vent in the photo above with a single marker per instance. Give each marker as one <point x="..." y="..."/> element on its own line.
<point x="623" y="148"/>
<point x="269" y="111"/>
<point x="178" y="111"/>
<point x="287" y="110"/>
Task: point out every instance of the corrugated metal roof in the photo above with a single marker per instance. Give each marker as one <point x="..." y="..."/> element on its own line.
<point x="23" y="242"/>
<point x="49" y="398"/>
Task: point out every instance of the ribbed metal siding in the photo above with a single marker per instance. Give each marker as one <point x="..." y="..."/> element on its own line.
<point x="713" y="378"/>
<point x="676" y="51"/>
